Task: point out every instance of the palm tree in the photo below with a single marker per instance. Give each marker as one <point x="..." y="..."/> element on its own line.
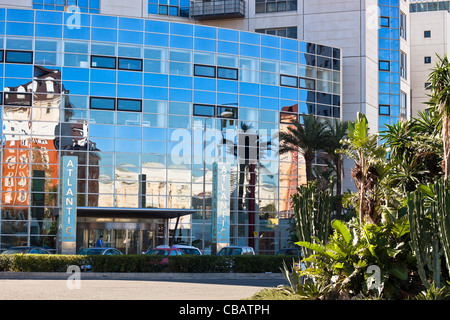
<point x="336" y="131"/>
<point x="306" y="138"/>
<point x="363" y="148"/>
<point x="440" y="99"/>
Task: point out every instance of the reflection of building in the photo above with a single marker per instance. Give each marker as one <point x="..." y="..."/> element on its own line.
<point x="132" y="99"/>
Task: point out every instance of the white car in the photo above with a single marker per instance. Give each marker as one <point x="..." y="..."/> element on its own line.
<point x="236" y="251"/>
<point x="188" y="249"/>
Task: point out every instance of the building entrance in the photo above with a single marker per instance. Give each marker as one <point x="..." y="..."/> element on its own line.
<point x="129" y="238"/>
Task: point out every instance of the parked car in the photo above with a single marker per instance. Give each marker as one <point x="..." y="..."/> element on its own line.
<point x="26" y="250"/>
<point x="188" y="249"/>
<point x="97" y="251"/>
<point x="236" y="251"/>
<point x="290" y="252"/>
<point x="165" y="251"/>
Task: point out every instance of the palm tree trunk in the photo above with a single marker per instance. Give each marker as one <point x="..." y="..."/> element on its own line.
<point x="308" y="166"/>
<point x="338" y="189"/>
<point x="446" y="142"/>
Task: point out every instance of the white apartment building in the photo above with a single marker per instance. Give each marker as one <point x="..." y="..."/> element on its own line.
<point x="429" y="37"/>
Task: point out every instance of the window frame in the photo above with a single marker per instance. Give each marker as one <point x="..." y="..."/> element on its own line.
<point x="384" y="61"/>
<point x="18" y="62"/>
<point x="29" y="94"/>
<point x="227" y="68"/>
<point x="107" y="57"/>
<point x="126" y="99"/>
<point x="132" y="59"/>
<point x="384" y="106"/>
<point x="288" y="76"/>
<point x="213" y="107"/>
<point x="235" y="111"/>
<point x="104" y="98"/>
<point x="205" y="66"/>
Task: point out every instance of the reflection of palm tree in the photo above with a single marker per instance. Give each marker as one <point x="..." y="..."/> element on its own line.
<point x="337" y="131"/>
<point x="306" y="138"/>
<point x="248" y="156"/>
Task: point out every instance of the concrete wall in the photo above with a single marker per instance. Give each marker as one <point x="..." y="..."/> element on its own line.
<point x="437" y="22"/>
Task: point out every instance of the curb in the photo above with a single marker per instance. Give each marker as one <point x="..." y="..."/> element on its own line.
<point x="9" y="275"/>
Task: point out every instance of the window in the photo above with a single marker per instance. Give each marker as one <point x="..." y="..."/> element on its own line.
<point x="384" y="21"/>
<point x="204" y="71"/>
<point x="289" y="81"/>
<point x="203" y="110"/>
<point x="307" y="83"/>
<point x="163" y="10"/>
<point x="383" y="65"/>
<point x="288" y="117"/>
<point x="267" y="6"/>
<point x="288" y="32"/>
<point x="1" y="55"/>
<point x="402" y="25"/>
<point x="227" y="73"/>
<point x="227" y="112"/>
<point x="19" y="56"/>
<point x="427" y="60"/>
<point x="103" y="62"/>
<point x="17" y="99"/>
<point x="384" y="110"/>
<point x="427" y="34"/>
<point x="129" y="105"/>
<point x="403" y="104"/>
<point x="403" y="64"/>
<point x="130" y="64"/>
<point x="427" y="85"/>
<point x="102" y="103"/>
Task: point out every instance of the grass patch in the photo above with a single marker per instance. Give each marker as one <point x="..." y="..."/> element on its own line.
<point x="273" y="294"/>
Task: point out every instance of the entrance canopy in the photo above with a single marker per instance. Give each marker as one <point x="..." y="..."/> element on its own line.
<point x="132" y="213"/>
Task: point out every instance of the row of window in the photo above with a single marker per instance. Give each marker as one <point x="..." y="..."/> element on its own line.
<point x="116" y="63"/>
<point x="104" y="62"/>
<point x="215" y="72"/>
<point x="297" y="82"/>
<point x="206" y="110"/>
<point x="120" y="104"/>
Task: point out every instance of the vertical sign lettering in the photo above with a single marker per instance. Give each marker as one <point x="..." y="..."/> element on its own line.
<point x="221" y="203"/>
<point x="69" y="198"/>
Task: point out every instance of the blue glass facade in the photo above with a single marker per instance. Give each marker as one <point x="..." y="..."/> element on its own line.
<point x="392" y="63"/>
<point x="137" y="101"/>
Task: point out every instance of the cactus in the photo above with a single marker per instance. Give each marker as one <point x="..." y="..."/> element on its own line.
<point x="441" y="207"/>
<point x="312" y="210"/>
<point x="424" y="237"/>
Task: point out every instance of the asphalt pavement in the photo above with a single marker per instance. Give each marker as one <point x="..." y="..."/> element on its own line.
<point x="94" y="286"/>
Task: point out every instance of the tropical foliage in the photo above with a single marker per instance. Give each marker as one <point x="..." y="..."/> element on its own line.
<point x="396" y="246"/>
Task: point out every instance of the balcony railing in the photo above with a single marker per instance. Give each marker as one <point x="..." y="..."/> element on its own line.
<point x="219" y="9"/>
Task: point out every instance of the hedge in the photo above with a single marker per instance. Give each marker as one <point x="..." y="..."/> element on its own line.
<point x="145" y="263"/>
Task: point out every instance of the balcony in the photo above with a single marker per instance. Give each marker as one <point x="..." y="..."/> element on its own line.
<point x="219" y="9"/>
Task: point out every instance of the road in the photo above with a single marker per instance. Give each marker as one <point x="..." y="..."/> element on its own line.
<point x="193" y="289"/>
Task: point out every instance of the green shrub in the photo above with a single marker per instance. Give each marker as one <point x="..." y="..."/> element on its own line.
<point x="39" y="263"/>
<point x="144" y="263"/>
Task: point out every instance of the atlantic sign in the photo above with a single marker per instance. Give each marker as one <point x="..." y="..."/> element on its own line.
<point x="69" y="204"/>
<point x="221" y="204"/>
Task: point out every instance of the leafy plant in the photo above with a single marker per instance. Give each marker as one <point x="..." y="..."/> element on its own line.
<point x="434" y="293"/>
<point x="362" y="147"/>
<point x="342" y="262"/>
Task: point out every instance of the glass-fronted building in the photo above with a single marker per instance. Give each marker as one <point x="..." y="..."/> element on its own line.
<point x="148" y="108"/>
<point x="393" y="100"/>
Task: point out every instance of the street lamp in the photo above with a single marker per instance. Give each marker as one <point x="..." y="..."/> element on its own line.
<point x="224" y="114"/>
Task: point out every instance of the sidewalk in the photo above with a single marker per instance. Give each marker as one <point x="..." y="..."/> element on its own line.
<point x="159" y="276"/>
